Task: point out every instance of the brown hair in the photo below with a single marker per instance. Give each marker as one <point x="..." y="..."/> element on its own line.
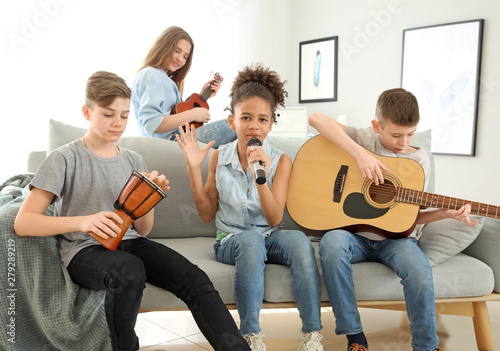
<point x="397" y="106"/>
<point x="162" y="50"/>
<point x="104" y="87"/>
<point x="261" y="82"/>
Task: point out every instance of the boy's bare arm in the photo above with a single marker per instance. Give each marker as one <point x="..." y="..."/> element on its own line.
<point x="31" y="221"/>
<point x="370" y="167"/>
<point x="462" y="215"/>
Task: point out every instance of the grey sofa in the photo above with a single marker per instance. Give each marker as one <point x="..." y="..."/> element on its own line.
<point x="466" y="261"/>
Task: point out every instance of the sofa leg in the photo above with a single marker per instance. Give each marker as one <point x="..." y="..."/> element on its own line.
<point x="482" y="327"/>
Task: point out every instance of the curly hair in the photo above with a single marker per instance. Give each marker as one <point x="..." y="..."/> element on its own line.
<point x="256" y="80"/>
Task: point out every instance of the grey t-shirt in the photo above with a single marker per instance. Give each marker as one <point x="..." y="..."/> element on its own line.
<point x="84" y="184"/>
<point x="370" y="140"/>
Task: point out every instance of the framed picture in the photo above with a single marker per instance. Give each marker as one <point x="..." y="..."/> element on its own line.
<point x="441" y="67"/>
<point x="318" y="70"/>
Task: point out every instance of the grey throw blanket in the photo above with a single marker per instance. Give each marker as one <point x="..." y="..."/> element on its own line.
<point x="41" y="308"/>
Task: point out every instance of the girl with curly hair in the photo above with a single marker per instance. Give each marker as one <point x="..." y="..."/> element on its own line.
<point x="249" y="216"/>
<point x="158" y="88"/>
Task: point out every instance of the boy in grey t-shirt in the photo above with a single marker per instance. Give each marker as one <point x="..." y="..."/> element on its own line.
<point x="83" y="179"/>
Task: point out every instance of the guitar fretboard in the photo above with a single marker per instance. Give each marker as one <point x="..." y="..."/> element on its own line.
<point x="206" y="94"/>
<point x="208" y="91"/>
<point x="445" y="202"/>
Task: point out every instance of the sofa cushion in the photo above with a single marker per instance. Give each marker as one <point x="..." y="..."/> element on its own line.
<point x="459" y="276"/>
<point x="199" y="251"/>
<point x="445" y="238"/>
<point x="176" y="215"/>
<point x="485" y="247"/>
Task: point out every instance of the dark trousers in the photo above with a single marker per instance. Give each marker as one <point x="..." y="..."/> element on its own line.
<point x="123" y="274"/>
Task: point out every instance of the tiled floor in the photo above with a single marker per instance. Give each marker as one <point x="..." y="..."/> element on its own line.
<point x="386" y="331"/>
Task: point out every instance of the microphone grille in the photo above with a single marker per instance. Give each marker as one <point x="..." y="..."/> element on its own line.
<point x="254" y="141"/>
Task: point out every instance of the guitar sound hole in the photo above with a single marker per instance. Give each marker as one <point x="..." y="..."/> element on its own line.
<point x="382" y="193"/>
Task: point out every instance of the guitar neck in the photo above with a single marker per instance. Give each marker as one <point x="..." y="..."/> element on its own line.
<point x="445" y="202"/>
<point x="207" y="92"/>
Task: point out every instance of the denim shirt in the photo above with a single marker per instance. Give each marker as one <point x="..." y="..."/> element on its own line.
<point x="153" y="96"/>
<point x="239" y="203"/>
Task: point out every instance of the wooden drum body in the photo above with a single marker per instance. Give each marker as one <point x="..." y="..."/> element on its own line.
<point x="136" y="199"/>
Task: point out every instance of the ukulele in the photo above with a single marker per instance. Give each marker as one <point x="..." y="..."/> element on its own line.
<point x="327" y="191"/>
<point x="197" y="100"/>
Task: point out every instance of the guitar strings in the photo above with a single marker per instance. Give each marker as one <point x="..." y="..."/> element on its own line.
<point x="392" y="190"/>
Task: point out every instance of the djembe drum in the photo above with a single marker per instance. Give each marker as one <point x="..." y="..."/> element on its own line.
<point x="138" y="197"/>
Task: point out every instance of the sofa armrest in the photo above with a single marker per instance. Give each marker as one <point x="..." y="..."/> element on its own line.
<point x="486" y="248"/>
<point x="35" y="159"/>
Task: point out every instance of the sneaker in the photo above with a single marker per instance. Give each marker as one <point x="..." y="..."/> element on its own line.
<point x="356" y="347"/>
<point x="312" y="342"/>
<point x="255" y="342"/>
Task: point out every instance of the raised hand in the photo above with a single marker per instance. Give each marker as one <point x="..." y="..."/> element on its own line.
<point x="187" y="141"/>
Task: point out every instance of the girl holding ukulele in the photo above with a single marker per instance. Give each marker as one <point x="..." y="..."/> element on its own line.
<point x="158" y="89"/>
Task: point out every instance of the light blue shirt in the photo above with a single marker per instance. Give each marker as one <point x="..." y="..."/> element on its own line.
<point x="153" y="95"/>
<point x="239" y="203"/>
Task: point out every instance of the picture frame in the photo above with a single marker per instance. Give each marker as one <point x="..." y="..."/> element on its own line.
<point x="318" y="70"/>
<point x="441" y="66"/>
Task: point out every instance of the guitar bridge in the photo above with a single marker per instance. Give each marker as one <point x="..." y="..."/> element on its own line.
<point x="339" y="183"/>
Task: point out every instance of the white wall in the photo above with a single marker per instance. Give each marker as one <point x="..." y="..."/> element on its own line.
<point x="375" y="65"/>
<point x="44" y="76"/>
<point x="48" y="49"/>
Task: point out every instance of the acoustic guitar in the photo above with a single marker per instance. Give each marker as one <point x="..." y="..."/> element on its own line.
<point x="327" y="191"/>
<point x="197" y="100"/>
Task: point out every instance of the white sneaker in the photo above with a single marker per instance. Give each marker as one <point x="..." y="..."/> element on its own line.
<point x="255" y="342"/>
<point x="312" y="342"/>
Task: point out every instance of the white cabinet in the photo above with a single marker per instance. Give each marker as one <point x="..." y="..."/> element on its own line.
<point x="292" y="122"/>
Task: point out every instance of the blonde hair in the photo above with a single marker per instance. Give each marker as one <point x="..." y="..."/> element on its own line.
<point x="104" y="87"/>
<point x="397" y="106"/>
<point x="162" y="50"/>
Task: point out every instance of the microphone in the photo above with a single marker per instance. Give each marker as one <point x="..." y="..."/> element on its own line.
<point x="258" y="166"/>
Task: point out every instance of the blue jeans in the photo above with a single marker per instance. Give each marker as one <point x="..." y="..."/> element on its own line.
<point x="339" y="249"/>
<point x="123" y="274"/>
<point x="218" y="131"/>
<point x="249" y="251"/>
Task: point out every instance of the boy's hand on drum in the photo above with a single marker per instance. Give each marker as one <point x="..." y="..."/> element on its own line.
<point x="158" y="179"/>
<point x="102" y="224"/>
